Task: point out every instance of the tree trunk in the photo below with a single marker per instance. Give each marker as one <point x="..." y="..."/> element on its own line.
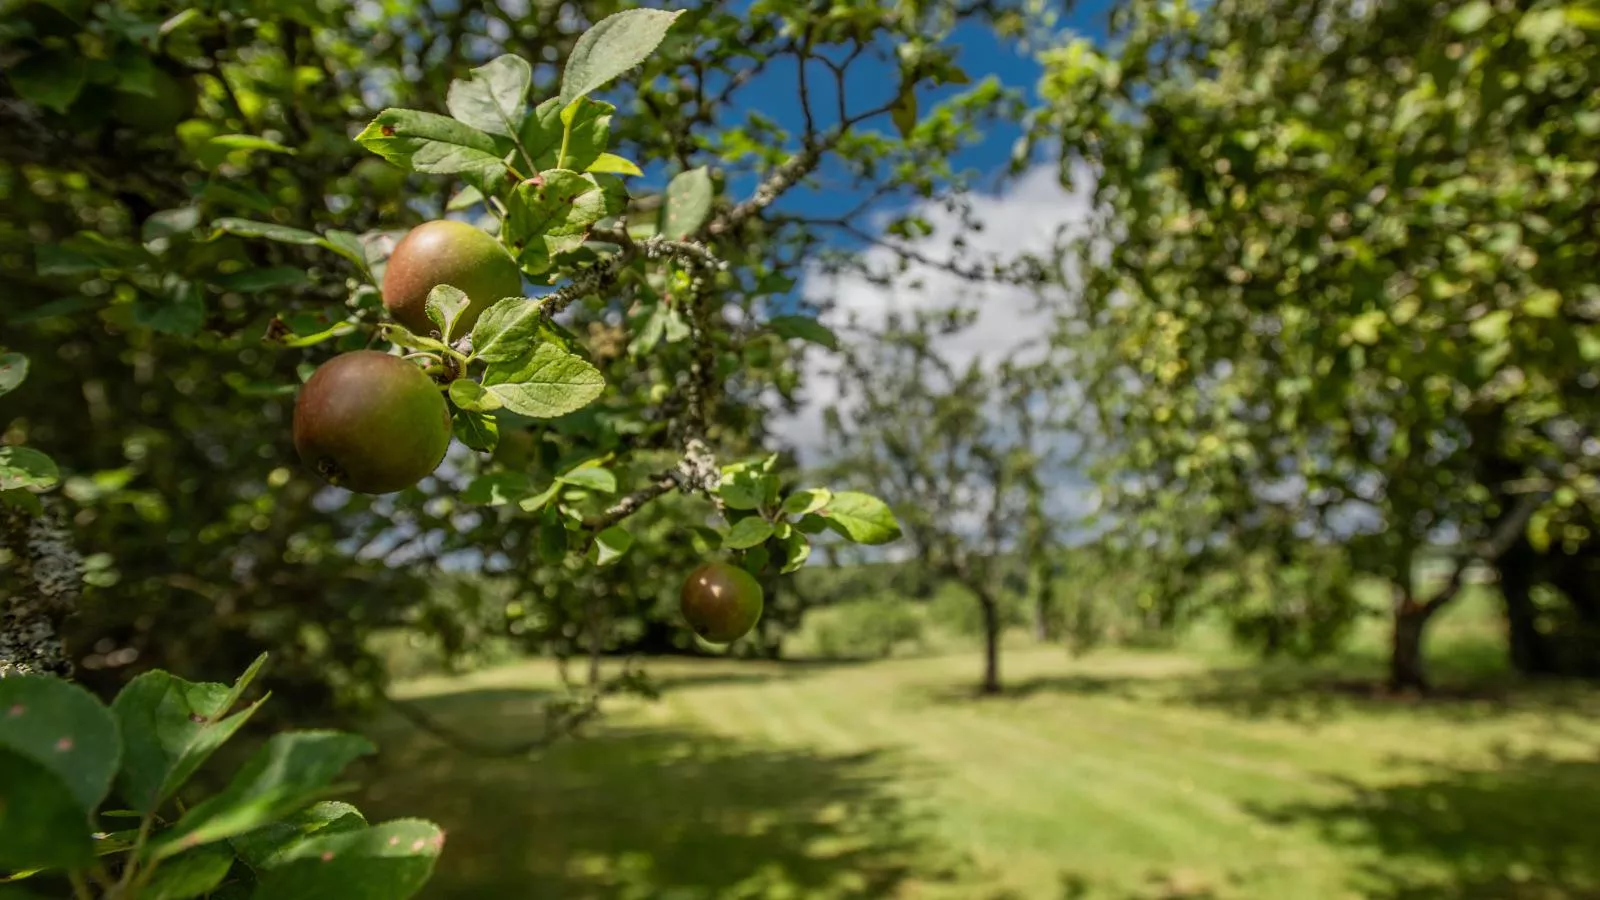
<point x="1407" y="672"/>
<point x="991" y="642"/>
<point x="1531" y="653"/>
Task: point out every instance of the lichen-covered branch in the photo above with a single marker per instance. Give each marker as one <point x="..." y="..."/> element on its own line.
<point x="605" y="276"/>
<point x="776" y="184"/>
<point x="697" y="472"/>
<point x="632" y="503"/>
<point x="45" y="581"/>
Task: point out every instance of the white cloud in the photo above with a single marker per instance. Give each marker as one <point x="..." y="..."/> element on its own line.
<point x="1025" y="217"/>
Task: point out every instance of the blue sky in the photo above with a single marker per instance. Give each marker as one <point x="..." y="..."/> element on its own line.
<point x="981" y="54"/>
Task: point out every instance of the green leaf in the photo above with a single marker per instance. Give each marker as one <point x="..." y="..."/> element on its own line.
<point x="904" y="112"/>
<point x="24" y="467"/>
<point x="811" y="523"/>
<point x="194" y="873"/>
<point x="89" y="251"/>
<point x="805" y="328"/>
<point x="705" y="540"/>
<point x="267" y="230"/>
<point x="614" y="45"/>
<point x="22" y="501"/>
<point x="609" y="545"/>
<point x="610" y="162"/>
<point x="664" y="324"/>
<point x="755" y="559"/>
<point x="748" y="532"/>
<point x="397" y="335"/>
<point x="13" y="371"/>
<point x="796" y="550"/>
<point x="63" y="728"/>
<point x="741" y="488"/>
<point x="587" y="135"/>
<point x="493" y="97"/>
<point x="349" y="246"/>
<point x="214" y="152"/>
<point x="687" y="204"/>
<point x="445" y="305"/>
<point x="592" y="478"/>
<point x="391" y="861"/>
<point x="508" y="330"/>
<point x="549" y="382"/>
<point x="259" y="848"/>
<point x="1365" y="328"/>
<point x="470" y="395"/>
<point x="552" y="531"/>
<point x="800" y="503"/>
<point x="178" y="309"/>
<point x="45" y="826"/>
<point x="1491" y="328"/>
<point x="170" y="727"/>
<point x="291" y="770"/>
<point x="433" y="144"/>
<point x="477" y="430"/>
<point x="497" y="489"/>
<point x="541" y="499"/>
<point x="862" y="518"/>
<point x="1543" y="303"/>
<point x="253" y="281"/>
<point x="170" y="223"/>
<point x="1471" y="16"/>
<point x="466" y="198"/>
<point x="558" y="204"/>
<point x="52" y="79"/>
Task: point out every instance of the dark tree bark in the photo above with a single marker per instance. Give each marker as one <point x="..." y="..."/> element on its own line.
<point x="991" y="640"/>
<point x="1406" y="670"/>
<point x="1530" y="651"/>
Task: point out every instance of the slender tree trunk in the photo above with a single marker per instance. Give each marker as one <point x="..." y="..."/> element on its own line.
<point x="991" y="641"/>
<point x="1531" y="653"/>
<point x="1407" y="672"/>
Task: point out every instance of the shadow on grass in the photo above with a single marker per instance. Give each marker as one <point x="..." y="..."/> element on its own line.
<point x="754" y="672"/>
<point x="660" y="814"/>
<point x="1528" y="827"/>
<point x="1307" y="695"/>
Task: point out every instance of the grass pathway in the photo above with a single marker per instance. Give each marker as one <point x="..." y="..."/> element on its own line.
<point x="1131" y="776"/>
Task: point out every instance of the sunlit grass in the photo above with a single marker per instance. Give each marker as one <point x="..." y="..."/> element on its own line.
<point x="1123" y="775"/>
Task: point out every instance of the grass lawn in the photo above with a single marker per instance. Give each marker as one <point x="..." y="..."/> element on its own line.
<point x="1123" y="775"/>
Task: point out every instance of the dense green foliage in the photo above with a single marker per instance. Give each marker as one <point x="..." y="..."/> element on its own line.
<point x="175" y="277"/>
<point x="267" y="834"/>
<point x="1341" y="287"/>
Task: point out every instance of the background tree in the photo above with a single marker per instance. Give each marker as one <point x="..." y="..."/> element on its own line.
<point x="1339" y="287"/>
<point x="958" y="451"/>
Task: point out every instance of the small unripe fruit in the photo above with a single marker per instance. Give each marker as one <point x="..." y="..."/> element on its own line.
<point x="721" y="602"/>
<point x="447" y="252"/>
<point x="370" y="422"/>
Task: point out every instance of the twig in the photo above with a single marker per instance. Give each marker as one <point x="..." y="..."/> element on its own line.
<point x="632" y="503"/>
<point x="1490" y="549"/>
<point x="779" y="181"/>
<point x="605" y="276"/>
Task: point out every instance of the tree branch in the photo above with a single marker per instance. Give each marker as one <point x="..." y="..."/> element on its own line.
<point x="632" y="503"/>
<point x="607" y="274"/>
<point x="1490" y="549"/>
<point x="777" y="183"/>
